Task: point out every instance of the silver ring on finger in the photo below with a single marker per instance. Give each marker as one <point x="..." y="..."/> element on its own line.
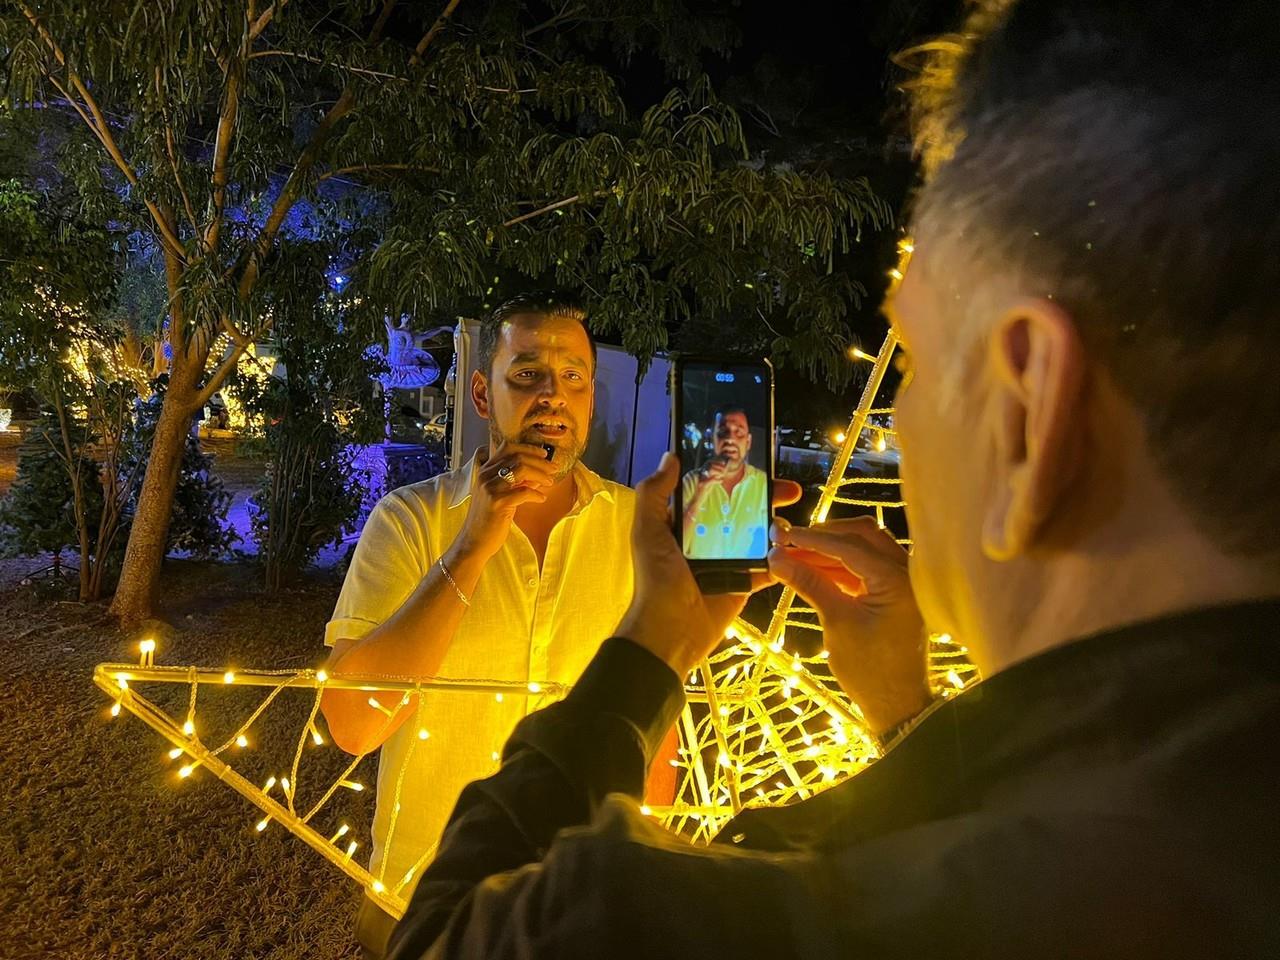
<point x="507" y="474"/>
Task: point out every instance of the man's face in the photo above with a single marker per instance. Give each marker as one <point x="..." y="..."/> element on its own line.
<point x="541" y="389"/>
<point x="938" y="413"/>
<point x="732" y="436"/>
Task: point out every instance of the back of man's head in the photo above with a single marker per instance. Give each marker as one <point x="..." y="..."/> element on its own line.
<point x="1120" y="155"/>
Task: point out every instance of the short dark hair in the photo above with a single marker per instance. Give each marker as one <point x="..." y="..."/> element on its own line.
<point x="527" y="304"/>
<point x="728" y="408"/>
<point x="1120" y="154"/>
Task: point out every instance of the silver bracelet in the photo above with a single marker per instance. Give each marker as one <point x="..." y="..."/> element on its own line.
<point x="456" y="589"/>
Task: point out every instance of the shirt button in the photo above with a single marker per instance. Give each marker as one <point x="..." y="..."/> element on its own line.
<point x="533" y="582"/>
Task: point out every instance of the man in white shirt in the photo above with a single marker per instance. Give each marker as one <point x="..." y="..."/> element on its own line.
<point x="726" y="500"/>
<point x="513" y="567"/>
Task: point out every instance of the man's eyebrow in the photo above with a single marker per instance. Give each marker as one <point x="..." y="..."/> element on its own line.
<point x="534" y="356"/>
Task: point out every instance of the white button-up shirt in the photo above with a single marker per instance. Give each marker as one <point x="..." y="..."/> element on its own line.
<point x="524" y="624"/>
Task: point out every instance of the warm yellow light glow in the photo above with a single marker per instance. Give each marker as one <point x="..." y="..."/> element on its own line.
<point x="839" y="437"/>
<point x="770" y="714"/>
<point x="315" y="737"/>
<point x="175" y="753"/>
<point x="186" y="771"/>
<point x="189" y="728"/>
<point x="229" y="677"/>
<point x="242" y="741"/>
<point x="880" y="444"/>
<point x="262" y="824"/>
<point x="115" y="709"/>
<point x="147" y="646"/>
<point x="645" y="809"/>
<point x="422" y="733"/>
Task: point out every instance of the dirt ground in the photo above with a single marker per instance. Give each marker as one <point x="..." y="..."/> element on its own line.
<point x="106" y="853"/>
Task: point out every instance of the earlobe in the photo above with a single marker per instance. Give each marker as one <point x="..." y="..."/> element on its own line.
<point x="1036" y="364"/>
<point x="480" y="394"/>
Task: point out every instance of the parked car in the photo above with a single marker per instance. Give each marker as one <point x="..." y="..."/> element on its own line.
<point x="434" y="428"/>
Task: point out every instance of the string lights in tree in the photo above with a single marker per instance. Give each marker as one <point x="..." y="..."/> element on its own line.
<point x="765" y="723"/>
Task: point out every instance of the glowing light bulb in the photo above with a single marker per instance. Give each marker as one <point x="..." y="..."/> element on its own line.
<point x="895" y="273"/>
<point x="351" y="848"/>
<point x="262" y="824"/>
<point x="321" y="676"/>
<point x="422" y="733"/>
<point x="186" y="771"/>
<point x="242" y="741"/>
<point x="839" y="437"/>
<point x="271" y="782"/>
<point x="495" y="756"/>
<point x="229" y="677"/>
<point x="175" y="753"/>
<point x="645" y="810"/>
<point x="378" y="887"/>
<point x="856" y="354"/>
<point x="498" y="697"/>
<point x="315" y="737"/>
<point x="906" y="246"/>
<point x="880" y="444"/>
<point x="723" y="759"/>
<point x="115" y="709"/>
<point x="535" y="687"/>
<point x="351" y="785"/>
<point x="284" y="783"/>
<point x="188" y="728"/>
<point x="147" y="646"/>
<point x="731" y="634"/>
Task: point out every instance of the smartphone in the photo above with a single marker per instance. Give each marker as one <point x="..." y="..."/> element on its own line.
<point x="722" y="432"/>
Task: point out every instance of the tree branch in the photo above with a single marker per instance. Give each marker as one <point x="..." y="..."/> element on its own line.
<point x="430" y="35"/>
<point x="558" y="205"/>
<point x="306" y="160"/>
<point x="99" y="127"/>
<point x="260" y="24"/>
<point x="172" y="153"/>
<point x="220" y="374"/>
<point x="370" y="167"/>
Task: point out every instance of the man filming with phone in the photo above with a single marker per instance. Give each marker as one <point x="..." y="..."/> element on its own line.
<point x="725" y="500"/>
<point x="1090" y="307"/>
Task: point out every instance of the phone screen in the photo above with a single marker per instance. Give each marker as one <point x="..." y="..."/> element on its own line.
<point x="725" y="445"/>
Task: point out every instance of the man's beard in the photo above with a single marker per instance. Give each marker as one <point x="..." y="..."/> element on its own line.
<point x="566" y="457"/>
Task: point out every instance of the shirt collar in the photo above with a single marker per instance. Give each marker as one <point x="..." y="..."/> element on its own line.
<point x="587" y="485"/>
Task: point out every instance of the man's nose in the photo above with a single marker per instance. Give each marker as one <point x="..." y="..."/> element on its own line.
<point x="552" y="392"/>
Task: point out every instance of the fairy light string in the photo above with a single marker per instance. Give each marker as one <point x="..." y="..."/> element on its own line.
<point x="763" y="725"/>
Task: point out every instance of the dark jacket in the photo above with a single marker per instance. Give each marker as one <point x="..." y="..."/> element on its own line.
<point x="1114" y="797"/>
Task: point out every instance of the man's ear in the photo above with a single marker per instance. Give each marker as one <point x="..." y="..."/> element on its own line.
<point x="1036" y="367"/>
<point x="480" y="393"/>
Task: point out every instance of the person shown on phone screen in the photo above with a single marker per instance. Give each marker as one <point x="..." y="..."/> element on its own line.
<point x="726" y="511"/>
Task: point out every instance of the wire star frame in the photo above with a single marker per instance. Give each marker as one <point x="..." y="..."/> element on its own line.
<point x="763" y="724"/>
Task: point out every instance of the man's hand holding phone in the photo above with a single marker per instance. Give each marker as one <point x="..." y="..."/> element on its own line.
<point x="669" y="616"/>
<point x="855" y="575"/>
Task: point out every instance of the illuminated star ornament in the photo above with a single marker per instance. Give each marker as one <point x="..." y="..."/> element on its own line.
<point x="765" y="723"/>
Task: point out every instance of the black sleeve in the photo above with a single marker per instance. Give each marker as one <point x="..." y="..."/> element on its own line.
<point x="557" y="768"/>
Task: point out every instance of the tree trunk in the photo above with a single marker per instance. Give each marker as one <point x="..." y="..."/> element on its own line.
<point x="135" y="595"/>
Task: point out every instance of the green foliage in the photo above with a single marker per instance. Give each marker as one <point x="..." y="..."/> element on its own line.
<point x="503" y="153"/>
<point x="38" y="515"/>
<point x="316" y="403"/>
